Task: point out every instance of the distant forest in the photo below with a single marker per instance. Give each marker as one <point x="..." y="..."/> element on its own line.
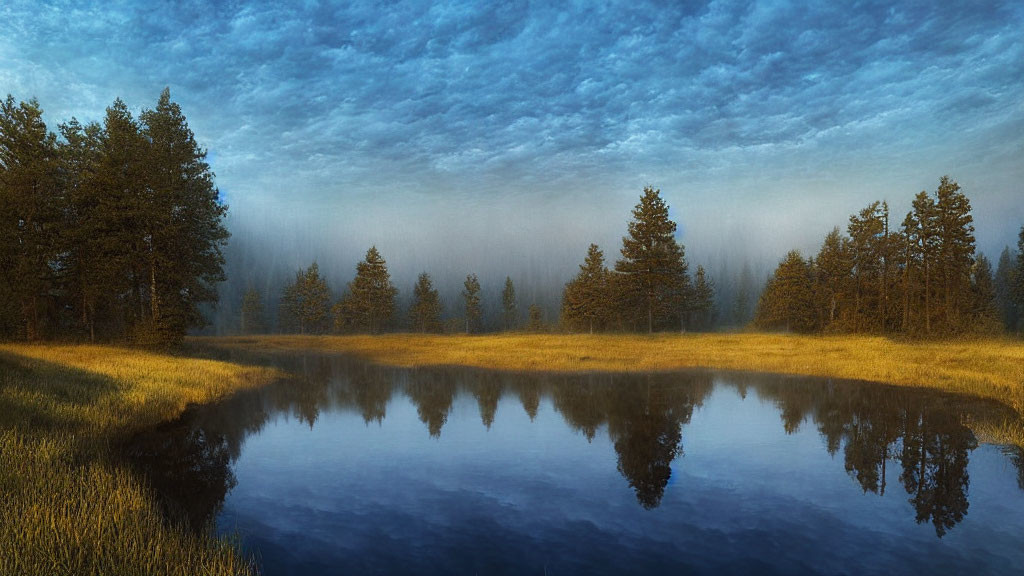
<point x="115" y="231"/>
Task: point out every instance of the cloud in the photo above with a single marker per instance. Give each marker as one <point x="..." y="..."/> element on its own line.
<point x="355" y="108"/>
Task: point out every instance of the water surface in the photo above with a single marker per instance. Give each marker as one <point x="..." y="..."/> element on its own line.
<point x="357" y="469"/>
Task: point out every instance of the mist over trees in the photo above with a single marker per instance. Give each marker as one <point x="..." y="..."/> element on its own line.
<point x="114" y="230"/>
<point x="923" y="278"/>
<point x="110" y="231"/>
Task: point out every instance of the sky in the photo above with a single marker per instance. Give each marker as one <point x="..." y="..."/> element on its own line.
<point x="479" y="136"/>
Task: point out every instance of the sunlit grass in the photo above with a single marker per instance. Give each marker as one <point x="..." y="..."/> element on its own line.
<point x="68" y="506"/>
<point x="992" y="368"/>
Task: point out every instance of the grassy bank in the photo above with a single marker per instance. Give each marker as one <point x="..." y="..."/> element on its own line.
<point x="69" y="507"/>
<point x="985" y="368"/>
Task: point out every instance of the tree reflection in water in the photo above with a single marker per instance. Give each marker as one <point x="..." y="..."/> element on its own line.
<point x="878" y="428"/>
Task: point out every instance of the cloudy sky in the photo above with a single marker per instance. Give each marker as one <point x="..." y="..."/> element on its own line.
<point x="447" y="133"/>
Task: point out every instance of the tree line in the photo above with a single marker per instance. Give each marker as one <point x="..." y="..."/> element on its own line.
<point x="649" y="289"/>
<point x="110" y="230"/>
<point x="921" y="278"/>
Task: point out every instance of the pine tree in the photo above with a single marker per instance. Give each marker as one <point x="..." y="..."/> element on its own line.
<point x="253" y="319"/>
<point x="1004" y="287"/>
<point x="182" y="226"/>
<point x="471" y="297"/>
<point x="703" y="300"/>
<point x="956" y="249"/>
<point x="32" y="207"/>
<point x="306" y="303"/>
<point x="833" y="271"/>
<point x="536" y="319"/>
<point x="867" y="231"/>
<point x="425" y="312"/>
<point x="920" y="231"/>
<point x="587" y="298"/>
<point x="508" y="305"/>
<point x="788" y="299"/>
<point x="369" y="304"/>
<point x="80" y="154"/>
<point x="984" y="314"/>
<point x="1018" y="280"/>
<point x="653" y="264"/>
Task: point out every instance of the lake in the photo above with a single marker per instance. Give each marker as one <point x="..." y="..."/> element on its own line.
<point x="350" y="468"/>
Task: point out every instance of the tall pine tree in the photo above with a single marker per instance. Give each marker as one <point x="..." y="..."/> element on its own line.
<point x="508" y="305"/>
<point x="306" y="303"/>
<point x="32" y="208"/>
<point x="471" y="298"/>
<point x="587" y="298"/>
<point x="653" y="265"/>
<point x="787" y="302"/>
<point x="369" y="304"/>
<point x="425" y="312"/>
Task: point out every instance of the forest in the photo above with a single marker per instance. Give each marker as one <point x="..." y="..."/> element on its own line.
<point x="116" y="231"/>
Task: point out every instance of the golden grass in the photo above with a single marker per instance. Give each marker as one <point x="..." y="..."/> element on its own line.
<point x="67" y="506"/>
<point x="991" y="368"/>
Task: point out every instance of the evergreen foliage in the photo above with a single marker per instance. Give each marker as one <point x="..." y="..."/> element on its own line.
<point x="655" y="287"/>
<point x="1006" y="273"/>
<point x="703" y="313"/>
<point x="471" y="297"/>
<point x="588" y="300"/>
<point x="536" y="319"/>
<point x="306" y="303"/>
<point x="369" y="304"/>
<point x="788" y="300"/>
<point x="925" y="278"/>
<point x="425" y="312"/>
<point x="113" y="231"/>
<point x="508" y="305"/>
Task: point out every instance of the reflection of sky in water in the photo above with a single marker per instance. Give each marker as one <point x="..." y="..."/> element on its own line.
<point x="528" y="496"/>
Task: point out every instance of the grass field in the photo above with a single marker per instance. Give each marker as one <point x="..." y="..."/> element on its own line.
<point x="68" y="506"/>
<point x="985" y="368"/>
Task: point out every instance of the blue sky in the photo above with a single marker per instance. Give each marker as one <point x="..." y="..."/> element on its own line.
<point x="441" y="131"/>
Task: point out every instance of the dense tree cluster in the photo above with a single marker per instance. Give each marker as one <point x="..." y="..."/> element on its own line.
<point x="110" y="230"/>
<point x="922" y="278"/>
<point x="648" y="289"/>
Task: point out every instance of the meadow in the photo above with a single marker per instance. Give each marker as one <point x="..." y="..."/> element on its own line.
<point x="72" y="507"/>
<point x="986" y="368"/>
<point x="69" y="505"/>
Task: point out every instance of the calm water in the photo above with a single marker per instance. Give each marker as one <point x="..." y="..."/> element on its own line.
<point x="356" y="469"/>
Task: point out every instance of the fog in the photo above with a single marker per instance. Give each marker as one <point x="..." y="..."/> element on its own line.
<point x="502" y="139"/>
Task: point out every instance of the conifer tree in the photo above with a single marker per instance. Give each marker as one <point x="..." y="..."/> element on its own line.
<point x="32" y="207"/>
<point x="182" y="226"/>
<point x="306" y="303"/>
<point x="984" y="314"/>
<point x="88" y="289"/>
<point x="587" y="298"/>
<point x="703" y="300"/>
<point x="536" y="319"/>
<point x="1018" y="280"/>
<point x="508" y="305"/>
<point x="867" y="231"/>
<point x="787" y="302"/>
<point x="471" y="297"/>
<point x="920" y="231"/>
<point x="832" y="273"/>
<point x="369" y="304"/>
<point x="253" y="320"/>
<point x="425" y="312"/>
<point x="1009" y="313"/>
<point x="653" y="264"/>
<point x="956" y="249"/>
